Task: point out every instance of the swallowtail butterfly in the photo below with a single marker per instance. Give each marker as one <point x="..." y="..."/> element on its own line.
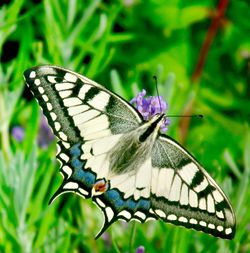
<point x="124" y="163"/>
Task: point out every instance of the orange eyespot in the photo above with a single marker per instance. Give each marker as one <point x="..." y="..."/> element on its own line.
<point x="101" y="186"/>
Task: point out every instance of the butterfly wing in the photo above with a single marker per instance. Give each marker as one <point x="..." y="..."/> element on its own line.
<point x="170" y="185"/>
<point x="184" y="194"/>
<point x="87" y="119"/>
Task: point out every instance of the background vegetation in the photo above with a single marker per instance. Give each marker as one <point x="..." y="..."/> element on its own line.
<point x="200" y="52"/>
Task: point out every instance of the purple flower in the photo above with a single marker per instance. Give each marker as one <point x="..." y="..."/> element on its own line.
<point x="140" y="249"/>
<point x="45" y="134"/>
<point x="106" y="237"/>
<point x="138" y="99"/>
<point x="18" y="133"/>
<point x="150" y="106"/>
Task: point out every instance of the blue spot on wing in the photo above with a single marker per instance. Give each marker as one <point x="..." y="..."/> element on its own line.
<point x="131" y="204"/>
<point x="112" y="194"/>
<point x="76" y="163"/>
<point x="115" y="199"/>
<point x="144" y="204"/>
<point x="85" y="177"/>
<point x="75" y="150"/>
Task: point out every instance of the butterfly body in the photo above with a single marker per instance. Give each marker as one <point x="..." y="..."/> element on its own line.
<point x="109" y="153"/>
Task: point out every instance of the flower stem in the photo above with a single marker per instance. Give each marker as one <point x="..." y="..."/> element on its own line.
<point x="195" y="78"/>
<point x="215" y="24"/>
<point x="4" y="134"/>
<point x="132" y="237"/>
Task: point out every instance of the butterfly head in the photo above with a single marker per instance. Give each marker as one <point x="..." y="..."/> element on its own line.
<point x="150" y="107"/>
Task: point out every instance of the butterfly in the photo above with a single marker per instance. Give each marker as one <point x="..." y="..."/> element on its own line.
<point x="132" y="171"/>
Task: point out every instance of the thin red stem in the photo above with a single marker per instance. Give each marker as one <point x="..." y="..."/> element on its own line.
<point x="215" y="24"/>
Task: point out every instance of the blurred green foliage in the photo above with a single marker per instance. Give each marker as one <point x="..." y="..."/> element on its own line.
<point x="122" y="44"/>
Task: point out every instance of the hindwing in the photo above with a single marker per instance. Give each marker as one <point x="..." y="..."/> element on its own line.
<point x="184" y="194"/>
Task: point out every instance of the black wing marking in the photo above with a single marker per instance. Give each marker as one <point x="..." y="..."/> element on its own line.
<point x="184" y="194"/>
<point x="86" y="118"/>
<point x="69" y="99"/>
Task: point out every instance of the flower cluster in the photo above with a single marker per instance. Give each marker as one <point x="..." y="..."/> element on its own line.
<point x="140" y="249"/>
<point x="150" y="106"/>
<point x="18" y="133"/>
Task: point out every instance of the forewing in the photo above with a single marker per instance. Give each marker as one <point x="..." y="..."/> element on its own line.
<point x="184" y="194"/>
<point x="70" y="101"/>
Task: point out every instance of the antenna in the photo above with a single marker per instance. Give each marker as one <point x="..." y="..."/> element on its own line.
<point x="156" y="85"/>
<point x="174" y="116"/>
<point x="186" y="116"/>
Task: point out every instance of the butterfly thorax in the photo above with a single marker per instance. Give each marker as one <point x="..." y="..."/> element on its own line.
<point x="135" y="147"/>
